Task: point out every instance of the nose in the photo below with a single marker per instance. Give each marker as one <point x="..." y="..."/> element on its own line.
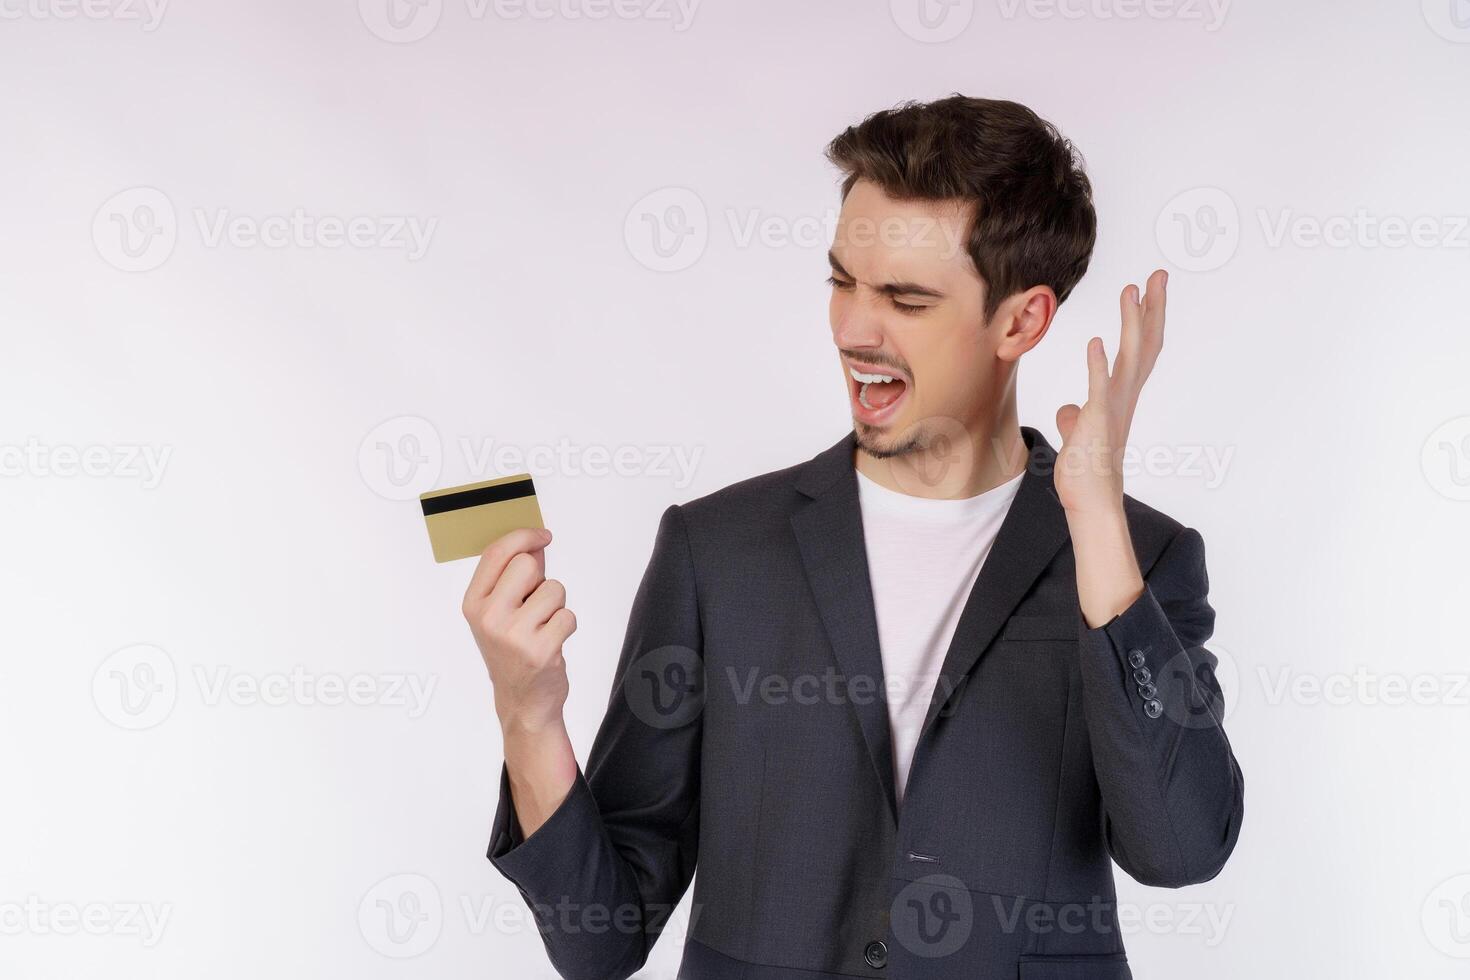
<point x="855" y="325"/>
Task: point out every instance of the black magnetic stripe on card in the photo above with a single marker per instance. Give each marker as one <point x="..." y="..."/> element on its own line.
<point x="475" y="498"/>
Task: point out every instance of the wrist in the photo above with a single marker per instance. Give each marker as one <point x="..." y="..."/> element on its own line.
<point x="541" y="769"/>
<point x="531" y="726"/>
<point x="1108" y="515"/>
<point x="1108" y="576"/>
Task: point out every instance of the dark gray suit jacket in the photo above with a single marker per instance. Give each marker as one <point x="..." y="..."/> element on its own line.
<point x="748" y="733"/>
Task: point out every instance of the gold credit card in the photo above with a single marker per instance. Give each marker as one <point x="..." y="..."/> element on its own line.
<point x="464" y="520"/>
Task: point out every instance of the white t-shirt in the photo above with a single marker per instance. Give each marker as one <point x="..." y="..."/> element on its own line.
<point x="923" y="558"/>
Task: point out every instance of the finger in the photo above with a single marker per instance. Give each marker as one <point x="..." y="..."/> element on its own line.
<point x="1152" y="333"/>
<point x="1155" y="301"/>
<point x="1097" y="371"/>
<point x="548" y="597"/>
<point x="1066" y="418"/>
<point x="522" y="575"/>
<point x="494" y="558"/>
<point x="1130" y="339"/>
<point x="562" y="624"/>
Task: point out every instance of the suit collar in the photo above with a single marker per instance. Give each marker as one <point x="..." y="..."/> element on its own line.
<point x="829" y="536"/>
<point x="818" y="474"/>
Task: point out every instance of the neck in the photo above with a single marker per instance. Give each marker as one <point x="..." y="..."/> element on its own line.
<point x="954" y="464"/>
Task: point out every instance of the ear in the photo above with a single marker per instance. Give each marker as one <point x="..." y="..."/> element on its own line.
<point x="1023" y="319"/>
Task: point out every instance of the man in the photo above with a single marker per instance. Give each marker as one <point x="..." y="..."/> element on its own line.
<point x="900" y="703"/>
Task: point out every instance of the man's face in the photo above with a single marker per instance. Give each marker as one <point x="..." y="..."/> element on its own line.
<point x="907" y="318"/>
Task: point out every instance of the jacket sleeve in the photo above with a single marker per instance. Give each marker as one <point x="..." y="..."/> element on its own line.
<point x="604" y="873"/>
<point x="1172" y="792"/>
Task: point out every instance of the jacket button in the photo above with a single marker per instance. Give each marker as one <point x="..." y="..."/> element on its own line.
<point x="1147" y="691"/>
<point x="1152" y="708"/>
<point x="876" y="955"/>
<point x="1135" y="658"/>
<point x="1142" y="676"/>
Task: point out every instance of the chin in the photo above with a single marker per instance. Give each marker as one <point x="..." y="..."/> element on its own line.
<point x="888" y="441"/>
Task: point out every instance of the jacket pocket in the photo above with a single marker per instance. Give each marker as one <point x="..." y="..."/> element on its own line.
<point x="1107" y="967"/>
<point x="1042" y="628"/>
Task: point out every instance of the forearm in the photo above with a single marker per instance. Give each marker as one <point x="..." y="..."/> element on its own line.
<point x="541" y="767"/>
<point x="1108" y="578"/>
<point x="604" y="856"/>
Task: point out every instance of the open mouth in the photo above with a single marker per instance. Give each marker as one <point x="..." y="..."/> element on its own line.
<point x="876" y="392"/>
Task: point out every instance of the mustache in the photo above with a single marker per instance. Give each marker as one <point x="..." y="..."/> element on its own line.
<point x="878" y="358"/>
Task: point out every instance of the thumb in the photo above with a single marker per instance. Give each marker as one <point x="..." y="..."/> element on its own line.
<point x="1066" y="420"/>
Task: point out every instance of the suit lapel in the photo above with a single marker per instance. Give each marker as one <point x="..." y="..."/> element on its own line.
<point x="829" y="534"/>
<point x="1033" y="529"/>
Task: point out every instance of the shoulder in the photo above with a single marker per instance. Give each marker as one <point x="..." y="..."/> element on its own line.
<point x="740" y="527"/>
<point x="768" y="496"/>
<point x="1156" y="534"/>
<point x="1148" y="520"/>
<point x="756" y="512"/>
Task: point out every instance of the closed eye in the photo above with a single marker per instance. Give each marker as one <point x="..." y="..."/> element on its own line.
<point x="905" y="308"/>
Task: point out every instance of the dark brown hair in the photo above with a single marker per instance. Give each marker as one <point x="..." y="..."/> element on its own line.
<point x="1032" y="222"/>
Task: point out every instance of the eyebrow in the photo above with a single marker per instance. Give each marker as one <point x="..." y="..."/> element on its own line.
<point x="889" y="289"/>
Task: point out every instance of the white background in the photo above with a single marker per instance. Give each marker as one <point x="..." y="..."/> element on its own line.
<point x="262" y="832"/>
